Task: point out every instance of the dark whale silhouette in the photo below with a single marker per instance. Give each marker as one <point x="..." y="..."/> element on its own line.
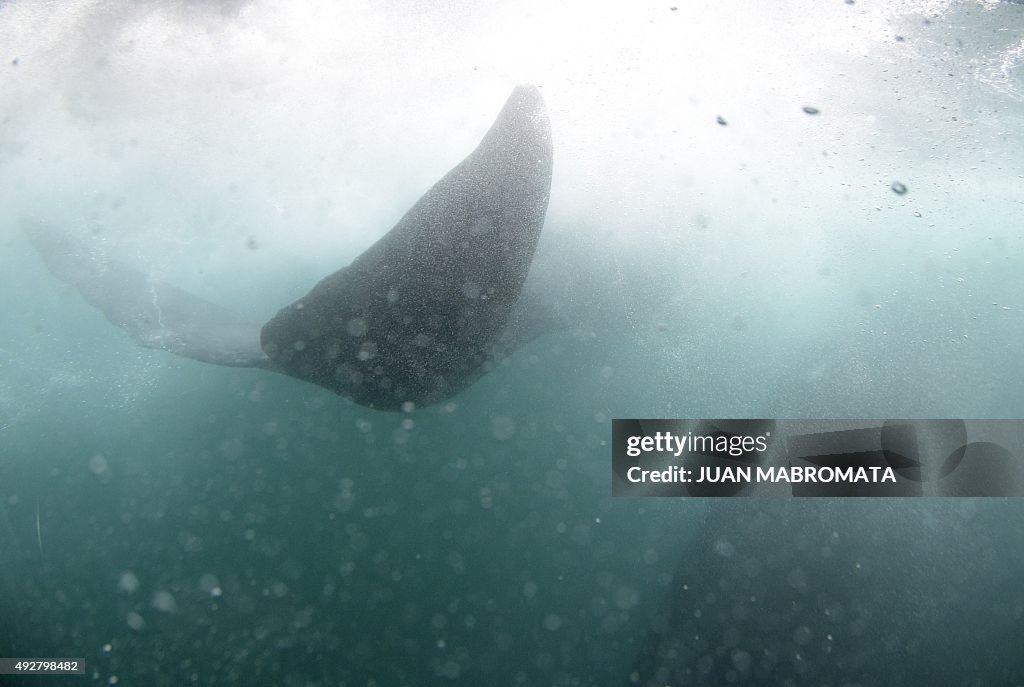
<point x="419" y="316"/>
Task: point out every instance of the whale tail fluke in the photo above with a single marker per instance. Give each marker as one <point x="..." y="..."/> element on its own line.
<point x="419" y="316"/>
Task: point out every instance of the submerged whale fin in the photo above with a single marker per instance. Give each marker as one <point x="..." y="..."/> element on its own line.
<point x="156" y="315"/>
<point x="421" y="314"/>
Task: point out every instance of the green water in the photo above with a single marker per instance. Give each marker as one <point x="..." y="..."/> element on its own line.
<point x="174" y="523"/>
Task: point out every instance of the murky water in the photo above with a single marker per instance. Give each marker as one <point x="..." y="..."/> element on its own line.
<point x="803" y="210"/>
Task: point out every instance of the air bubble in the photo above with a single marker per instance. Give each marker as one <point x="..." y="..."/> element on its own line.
<point x="164" y="601"/>
<point x="128" y="583"/>
<point x="553" y="622"/>
<point x="356" y="326"/>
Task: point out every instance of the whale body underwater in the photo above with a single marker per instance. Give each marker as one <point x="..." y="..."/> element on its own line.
<point x="419" y="316"/>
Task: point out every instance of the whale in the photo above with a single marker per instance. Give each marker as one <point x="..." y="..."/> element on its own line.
<point x="433" y="305"/>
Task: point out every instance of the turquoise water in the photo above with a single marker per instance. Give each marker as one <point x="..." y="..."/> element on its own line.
<point x="172" y="522"/>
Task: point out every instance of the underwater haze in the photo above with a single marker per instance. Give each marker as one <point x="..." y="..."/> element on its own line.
<point x="771" y="210"/>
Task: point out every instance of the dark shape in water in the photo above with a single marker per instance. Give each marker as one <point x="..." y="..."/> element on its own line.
<point x="721" y="120"/>
<point x="898" y="187"/>
<point x="760" y="584"/>
<point x="419" y="316"/>
<point x="811" y="110"/>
